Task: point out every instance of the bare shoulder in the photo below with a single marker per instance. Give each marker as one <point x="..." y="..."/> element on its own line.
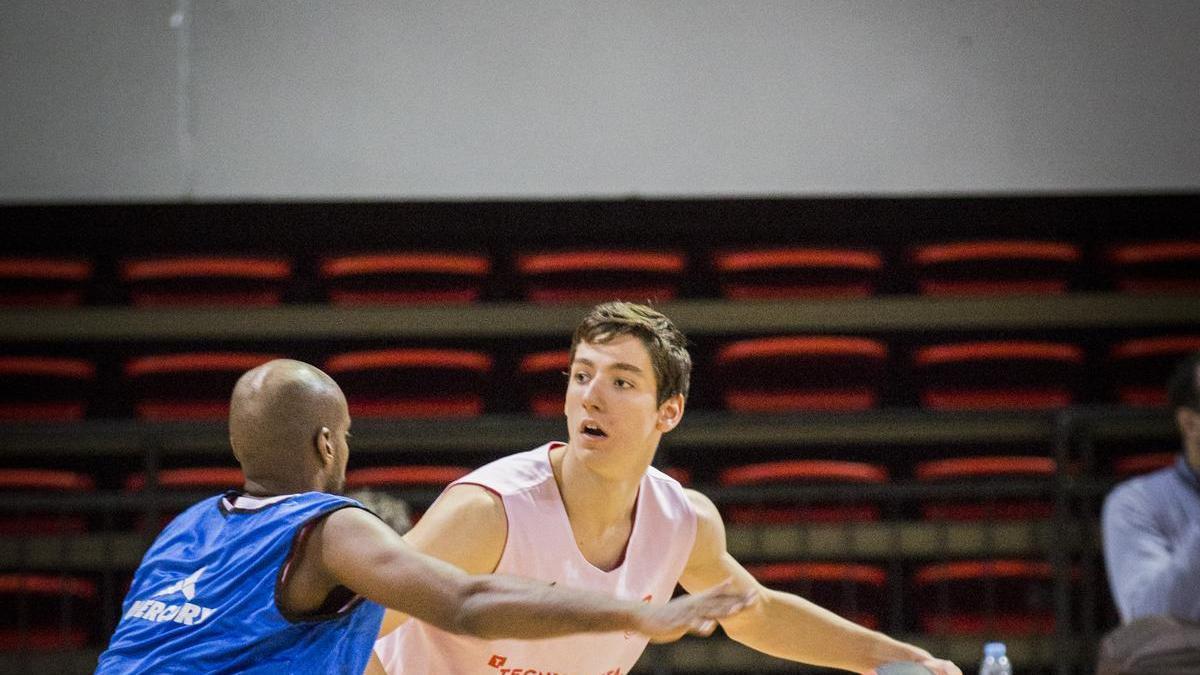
<point x="710" y="563"/>
<point x="710" y="528"/>
<point x="466" y="506"/>
<point x="466" y="527"/>
<point x="703" y="505"/>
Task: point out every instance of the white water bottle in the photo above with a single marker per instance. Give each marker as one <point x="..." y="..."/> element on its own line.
<point x="995" y="660"/>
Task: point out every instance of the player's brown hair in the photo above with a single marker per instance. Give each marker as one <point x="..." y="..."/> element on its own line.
<point x="665" y="343"/>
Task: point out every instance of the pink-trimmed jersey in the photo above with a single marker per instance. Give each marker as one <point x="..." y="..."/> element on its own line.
<point x="542" y="546"/>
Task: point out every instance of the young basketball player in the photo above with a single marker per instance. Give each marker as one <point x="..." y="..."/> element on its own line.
<point x="593" y="513"/>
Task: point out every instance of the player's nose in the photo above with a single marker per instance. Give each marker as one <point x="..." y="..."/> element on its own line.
<point x="592" y="396"/>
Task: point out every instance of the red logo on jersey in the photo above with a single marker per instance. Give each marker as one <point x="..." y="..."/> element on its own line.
<point x="498" y="662"/>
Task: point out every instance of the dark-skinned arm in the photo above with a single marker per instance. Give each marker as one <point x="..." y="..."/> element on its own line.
<point x="353" y="548"/>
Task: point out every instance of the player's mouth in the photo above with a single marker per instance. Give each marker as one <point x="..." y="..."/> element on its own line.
<point x="592" y="430"/>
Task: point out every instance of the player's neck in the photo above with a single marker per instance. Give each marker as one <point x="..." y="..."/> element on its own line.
<point x="1191" y="451"/>
<point x="593" y="501"/>
<point x="271" y="487"/>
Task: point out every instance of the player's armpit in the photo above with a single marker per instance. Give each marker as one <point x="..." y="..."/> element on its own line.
<point x="374" y="666"/>
<point x="392" y="619"/>
<point x="710" y="564"/>
<point x="466" y="527"/>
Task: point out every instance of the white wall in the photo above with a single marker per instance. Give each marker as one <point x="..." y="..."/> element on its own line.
<point x="443" y="98"/>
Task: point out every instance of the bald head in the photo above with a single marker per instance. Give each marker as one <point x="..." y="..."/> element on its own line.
<point x="287" y="424"/>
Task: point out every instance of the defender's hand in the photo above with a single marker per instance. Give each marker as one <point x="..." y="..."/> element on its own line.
<point x="696" y="614"/>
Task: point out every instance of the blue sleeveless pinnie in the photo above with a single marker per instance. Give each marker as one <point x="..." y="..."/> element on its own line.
<point x="204" y="598"/>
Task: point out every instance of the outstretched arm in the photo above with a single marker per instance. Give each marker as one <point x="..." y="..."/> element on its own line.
<point x="355" y="549"/>
<point x="785" y="625"/>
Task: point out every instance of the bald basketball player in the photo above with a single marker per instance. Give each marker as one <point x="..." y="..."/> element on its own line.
<point x="592" y="512"/>
<point x="285" y="577"/>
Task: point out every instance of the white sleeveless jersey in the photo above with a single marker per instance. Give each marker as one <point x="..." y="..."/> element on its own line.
<point x="541" y="545"/>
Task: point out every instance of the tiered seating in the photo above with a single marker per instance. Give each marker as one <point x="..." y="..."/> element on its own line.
<point x="986" y="597"/>
<point x="1140" y="368"/>
<point x="995" y="267"/>
<point x="45" y="612"/>
<point x="986" y="471"/>
<point x="1133" y="465"/>
<point x="43" y="481"/>
<point x="397" y="479"/>
<point x="856" y="592"/>
<point x="225" y="280"/>
<point x="393" y="478"/>
<point x="772" y="375"/>
<point x="780" y="273"/>
<point x="590" y="276"/>
<point x="801" y="373"/>
<point x="544" y="376"/>
<point x="44" y="388"/>
<point x="198" y="478"/>
<point x="411" y="382"/>
<point x="1156" y="267"/>
<point x="43" y="281"/>
<point x="191" y="386"/>
<point x="1013" y="374"/>
<point x="405" y="277"/>
<point x="804" y="472"/>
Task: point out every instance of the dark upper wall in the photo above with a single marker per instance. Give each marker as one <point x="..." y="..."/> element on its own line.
<point x="276" y="99"/>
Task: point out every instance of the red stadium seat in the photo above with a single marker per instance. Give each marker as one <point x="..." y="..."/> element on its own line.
<point x="200" y="478"/>
<point x="412" y="382"/>
<point x="43" y="281"/>
<point x="1156" y="267"/>
<point x="226" y="280"/>
<point x="995" y="267"/>
<point x="998" y="375"/>
<point x="545" y="381"/>
<point x="988" y="471"/>
<point x="44" y="388"/>
<point x="780" y="273"/>
<point x="1142" y="367"/>
<point x="952" y="598"/>
<point x="391" y="477"/>
<point x="206" y="479"/>
<point x="1133" y="465"/>
<point x="58" y="612"/>
<point x="590" y="276"/>
<point x="803" y="472"/>
<point x="680" y="474"/>
<point x="405" y="278"/>
<point x="855" y="592"/>
<point x="43" y="480"/>
<point x="192" y="386"/>
<point x="790" y="374"/>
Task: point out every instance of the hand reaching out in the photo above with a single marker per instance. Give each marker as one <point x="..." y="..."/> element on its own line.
<point x="696" y="614"/>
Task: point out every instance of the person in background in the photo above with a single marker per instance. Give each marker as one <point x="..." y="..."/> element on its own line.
<point x="391" y="510"/>
<point x="1151" y="529"/>
<point x="1151" y="524"/>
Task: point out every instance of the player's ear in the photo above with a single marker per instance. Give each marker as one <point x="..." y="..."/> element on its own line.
<point x="323" y="445"/>
<point x="670" y="413"/>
